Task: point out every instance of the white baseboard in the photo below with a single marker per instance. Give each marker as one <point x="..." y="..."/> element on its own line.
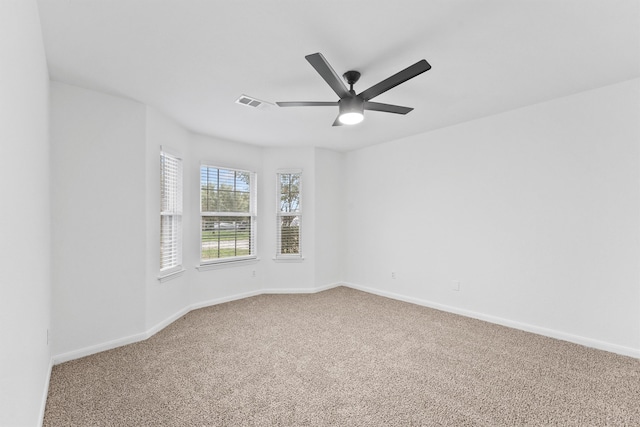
<point x="222" y="300"/>
<point x="589" y="342"/>
<point x="97" y="348"/>
<point x="45" y="393"/>
<point x="166" y="322"/>
<point x="87" y="351"/>
<point x="300" y="290"/>
<point x="552" y="333"/>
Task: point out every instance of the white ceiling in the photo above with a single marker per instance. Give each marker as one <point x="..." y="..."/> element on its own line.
<point x="191" y="59"/>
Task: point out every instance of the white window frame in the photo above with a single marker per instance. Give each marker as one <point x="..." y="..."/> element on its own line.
<point x="171" y="206"/>
<point x="280" y="213"/>
<point x="253" y="214"/>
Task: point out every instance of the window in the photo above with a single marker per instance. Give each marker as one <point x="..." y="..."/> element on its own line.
<point x="170" y="213"/>
<point x="289" y="214"/>
<point x="228" y="214"/>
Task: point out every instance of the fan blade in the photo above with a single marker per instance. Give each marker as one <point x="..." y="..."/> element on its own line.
<point x="307" y="104"/>
<point x="338" y="122"/>
<point x="386" y="108"/>
<point x="323" y="68"/>
<point x="393" y="81"/>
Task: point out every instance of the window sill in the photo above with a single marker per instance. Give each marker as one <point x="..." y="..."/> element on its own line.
<point x="172" y="275"/>
<point x="289" y="259"/>
<point x="225" y="264"/>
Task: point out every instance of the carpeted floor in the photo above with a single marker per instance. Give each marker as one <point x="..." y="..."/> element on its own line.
<point x="343" y="358"/>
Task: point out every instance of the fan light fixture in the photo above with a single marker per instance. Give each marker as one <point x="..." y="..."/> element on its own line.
<point x="351" y="118"/>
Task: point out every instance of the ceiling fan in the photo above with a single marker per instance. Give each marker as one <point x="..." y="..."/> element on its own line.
<point x="352" y="106"/>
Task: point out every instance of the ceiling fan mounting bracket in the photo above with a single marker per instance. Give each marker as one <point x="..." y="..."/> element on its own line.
<point x="351" y="77"/>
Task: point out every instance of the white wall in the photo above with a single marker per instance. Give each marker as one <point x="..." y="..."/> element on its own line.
<point x="225" y="281"/>
<point x="163" y="300"/>
<point x="330" y="217"/>
<point x="288" y="276"/>
<point x="25" y="227"/>
<point x="534" y="211"/>
<point x="106" y="228"/>
<point x="98" y="209"/>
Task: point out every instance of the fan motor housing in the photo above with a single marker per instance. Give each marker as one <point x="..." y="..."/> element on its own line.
<point x="352" y="104"/>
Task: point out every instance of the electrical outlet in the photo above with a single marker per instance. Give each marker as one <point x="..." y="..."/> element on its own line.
<point x="393" y="274"/>
<point x="455" y="285"/>
<point x="253" y="273"/>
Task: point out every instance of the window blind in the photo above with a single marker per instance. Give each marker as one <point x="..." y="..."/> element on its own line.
<point x="170" y="212"/>
<point x="289" y="215"/>
<point x="228" y="214"/>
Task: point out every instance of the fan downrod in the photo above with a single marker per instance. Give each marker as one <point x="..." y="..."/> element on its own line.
<point x="351" y="77"/>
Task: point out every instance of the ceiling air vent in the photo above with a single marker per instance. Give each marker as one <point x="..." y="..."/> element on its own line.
<point x="253" y="102"/>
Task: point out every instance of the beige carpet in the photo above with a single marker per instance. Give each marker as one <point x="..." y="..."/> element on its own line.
<point x="343" y="358"/>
